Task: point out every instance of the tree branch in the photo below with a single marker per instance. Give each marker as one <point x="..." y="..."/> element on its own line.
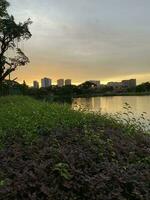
<point x="7" y="72"/>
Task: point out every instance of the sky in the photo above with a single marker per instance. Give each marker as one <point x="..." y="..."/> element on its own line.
<point x="106" y="40"/>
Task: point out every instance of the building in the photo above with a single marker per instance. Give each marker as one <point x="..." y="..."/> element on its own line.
<point x="114" y="84"/>
<point x="36" y="84"/>
<point x="132" y="83"/>
<point x="97" y="83"/>
<point x="46" y="82"/>
<point x="68" y="82"/>
<point x="60" y="82"/>
<point x="129" y="83"/>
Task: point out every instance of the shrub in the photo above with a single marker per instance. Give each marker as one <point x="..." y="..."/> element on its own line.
<point x="76" y="165"/>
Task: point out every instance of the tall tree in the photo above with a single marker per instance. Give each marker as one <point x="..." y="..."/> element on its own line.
<point x="10" y="34"/>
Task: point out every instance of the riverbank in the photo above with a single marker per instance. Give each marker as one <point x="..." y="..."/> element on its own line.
<point x="49" y="151"/>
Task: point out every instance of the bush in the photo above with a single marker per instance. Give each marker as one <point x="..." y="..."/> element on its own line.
<point x="73" y="165"/>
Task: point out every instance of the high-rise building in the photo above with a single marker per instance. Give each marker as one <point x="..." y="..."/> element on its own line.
<point x="97" y="83"/>
<point x="46" y="82"/>
<point x="60" y="82"/>
<point x="129" y="83"/>
<point x="132" y="83"/>
<point x="36" y="84"/>
<point x="68" y="82"/>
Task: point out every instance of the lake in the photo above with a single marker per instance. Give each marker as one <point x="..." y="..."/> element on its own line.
<point x="115" y="104"/>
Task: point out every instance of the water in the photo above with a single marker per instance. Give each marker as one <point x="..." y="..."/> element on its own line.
<point x="115" y="104"/>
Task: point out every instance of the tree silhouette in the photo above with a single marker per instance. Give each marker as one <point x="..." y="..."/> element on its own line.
<point x="87" y="85"/>
<point x="10" y="34"/>
<point x="3" y="6"/>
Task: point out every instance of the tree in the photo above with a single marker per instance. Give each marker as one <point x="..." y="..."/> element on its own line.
<point x="144" y="87"/>
<point x="87" y="85"/>
<point x="3" y="6"/>
<point x="10" y="34"/>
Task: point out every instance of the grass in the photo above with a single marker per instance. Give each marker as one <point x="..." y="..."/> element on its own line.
<point x="49" y="151"/>
<point x="30" y="116"/>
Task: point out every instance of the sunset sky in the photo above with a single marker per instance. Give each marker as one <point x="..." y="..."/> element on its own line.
<point x="107" y="40"/>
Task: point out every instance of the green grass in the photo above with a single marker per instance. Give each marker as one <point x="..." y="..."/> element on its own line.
<point x="29" y="116"/>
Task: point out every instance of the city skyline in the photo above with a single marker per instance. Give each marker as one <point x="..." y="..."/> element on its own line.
<point x="85" y="39"/>
<point x="46" y="82"/>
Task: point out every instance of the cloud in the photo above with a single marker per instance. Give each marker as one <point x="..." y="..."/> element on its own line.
<point x="93" y="39"/>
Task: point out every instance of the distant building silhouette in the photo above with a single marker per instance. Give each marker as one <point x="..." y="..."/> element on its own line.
<point x="60" y="82"/>
<point x="129" y="83"/>
<point x="46" y="82"/>
<point x="68" y="82"/>
<point x="114" y="84"/>
<point x="36" y="84"/>
<point x="124" y="84"/>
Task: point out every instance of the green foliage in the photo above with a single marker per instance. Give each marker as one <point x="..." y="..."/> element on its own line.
<point x="76" y="164"/>
<point x="130" y="122"/>
<point x="144" y="87"/>
<point x="12" y="88"/>
<point x="63" y="170"/>
<point x="2" y="182"/>
<point x="30" y="116"/>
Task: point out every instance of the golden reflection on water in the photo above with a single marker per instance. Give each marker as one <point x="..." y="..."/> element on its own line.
<point x="112" y="105"/>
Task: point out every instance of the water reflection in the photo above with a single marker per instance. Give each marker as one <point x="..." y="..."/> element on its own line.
<point x="139" y="104"/>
